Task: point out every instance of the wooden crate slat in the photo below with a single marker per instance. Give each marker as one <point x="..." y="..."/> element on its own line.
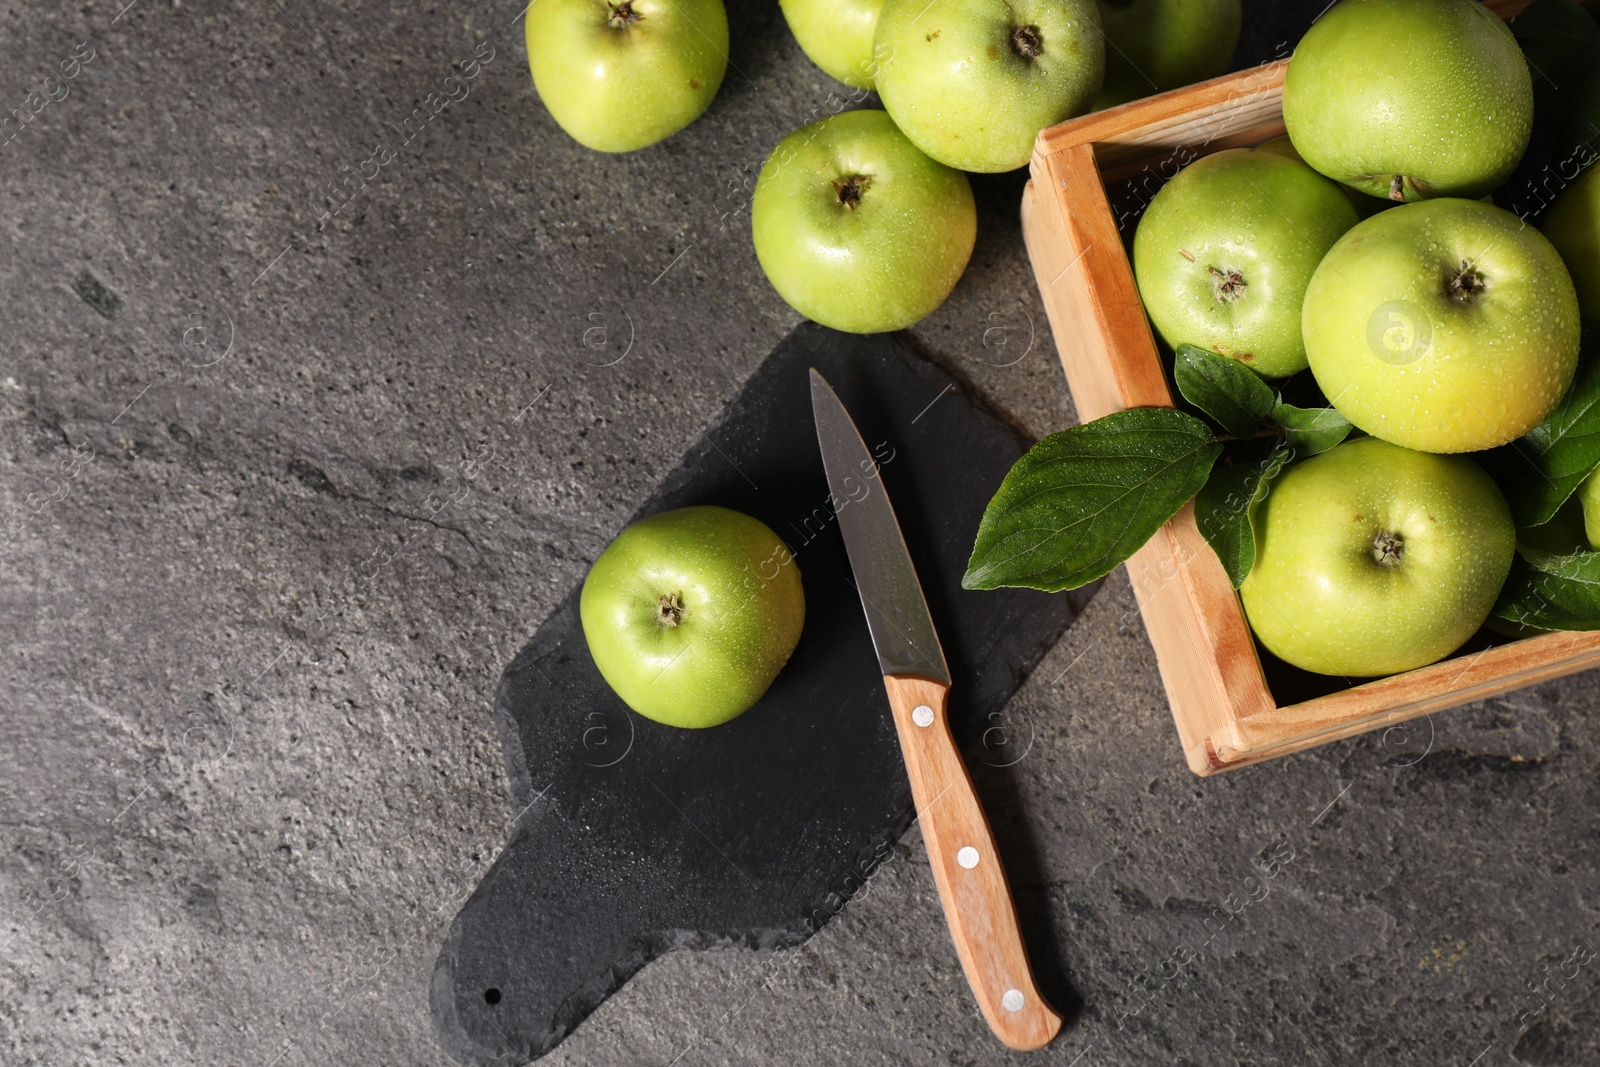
<point x="1182" y="116"/>
<point x="1387" y="701"/>
<point x="1099" y="328"/>
<point x="1189" y="607"/>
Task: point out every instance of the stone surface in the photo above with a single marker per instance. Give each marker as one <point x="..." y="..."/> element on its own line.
<point x="247" y="767"/>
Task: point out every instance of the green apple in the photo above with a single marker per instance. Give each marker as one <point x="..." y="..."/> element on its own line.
<point x="1573" y="226"/>
<point x="621" y="76"/>
<point x="1589" y="496"/>
<point x="690" y="614"/>
<point x="1410" y="99"/>
<point x="836" y="35"/>
<point x="1366" y="206"/>
<point x="972" y="82"/>
<point x="856" y="228"/>
<point x="1225" y="250"/>
<point x="1156" y="45"/>
<point x="1445" y="326"/>
<point x="1374" y="559"/>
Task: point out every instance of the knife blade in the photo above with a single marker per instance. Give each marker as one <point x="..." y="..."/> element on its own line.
<point x="961" y="850"/>
<point x="897" y="614"/>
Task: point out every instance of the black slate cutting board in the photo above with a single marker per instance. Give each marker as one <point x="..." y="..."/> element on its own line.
<point x="633" y="838"/>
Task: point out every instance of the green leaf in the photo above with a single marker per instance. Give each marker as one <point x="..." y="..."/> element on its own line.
<point x="1223" y="388"/>
<point x="1552" y="592"/>
<point x="1540" y="471"/>
<point x="1562" y="535"/>
<point x="1085" y="499"/>
<point x="1226" y="506"/>
<point x="1311" y="430"/>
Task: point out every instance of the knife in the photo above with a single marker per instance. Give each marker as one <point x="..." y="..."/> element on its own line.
<point x="966" y="866"/>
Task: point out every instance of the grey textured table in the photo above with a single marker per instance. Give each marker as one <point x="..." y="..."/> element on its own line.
<point x="288" y="477"/>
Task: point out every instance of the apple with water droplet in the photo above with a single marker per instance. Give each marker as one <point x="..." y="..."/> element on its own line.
<point x="1410" y="99"/>
<point x="619" y="75"/>
<point x="856" y="228"/>
<point x="1225" y="250"/>
<point x="836" y="35"/>
<point x="972" y="82"/>
<point x="1446" y="326"/>
<point x="690" y="614"/>
<point x="1374" y="559"/>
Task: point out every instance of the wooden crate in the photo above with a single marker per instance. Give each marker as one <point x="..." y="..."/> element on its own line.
<point x="1226" y="714"/>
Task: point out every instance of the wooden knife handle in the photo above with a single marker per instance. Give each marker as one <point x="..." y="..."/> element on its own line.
<point x="967" y="868"/>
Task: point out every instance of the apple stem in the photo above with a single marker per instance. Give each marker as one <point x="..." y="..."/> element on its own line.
<point x="1388" y="549"/>
<point x="1465" y="284"/>
<point x="669" y="609"/>
<point x="1227" y="285"/>
<point x="1397" y="187"/>
<point x="1025" y="42"/>
<point x="622" y="15"/>
<point x="850" y="190"/>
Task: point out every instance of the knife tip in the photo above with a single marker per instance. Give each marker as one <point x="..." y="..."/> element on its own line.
<point x="820" y="386"/>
